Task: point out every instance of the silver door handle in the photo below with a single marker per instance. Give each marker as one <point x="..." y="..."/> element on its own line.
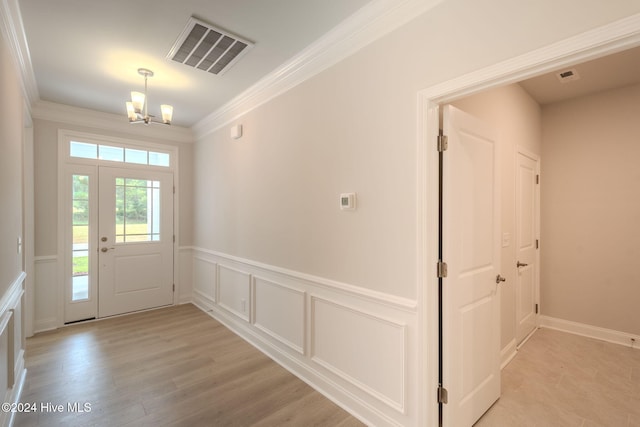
<point x="499" y="279"/>
<point x="521" y="264"/>
<point x="105" y="249"/>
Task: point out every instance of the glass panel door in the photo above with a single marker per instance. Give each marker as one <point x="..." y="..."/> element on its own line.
<point x="81" y="230"/>
<point x="136" y="240"/>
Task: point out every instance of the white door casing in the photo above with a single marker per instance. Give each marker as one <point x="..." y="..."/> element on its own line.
<point x="135" y="272"/>
<point x="471" y="249"/>
<point x="527" y="226"/>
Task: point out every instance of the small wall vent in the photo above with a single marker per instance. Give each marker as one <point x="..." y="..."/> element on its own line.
<point x="207" y="48"/>
<point x="568" y="75"/>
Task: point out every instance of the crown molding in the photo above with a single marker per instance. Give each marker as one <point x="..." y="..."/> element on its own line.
<point x="610" y="38"/>
<point x="371" y="22"/>
<point x="51" y="111"/>
<point x="12" y="31"/>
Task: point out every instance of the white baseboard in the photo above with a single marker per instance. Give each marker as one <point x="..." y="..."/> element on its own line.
<point x="604" y="334"/>
<point x="508" y="353"/>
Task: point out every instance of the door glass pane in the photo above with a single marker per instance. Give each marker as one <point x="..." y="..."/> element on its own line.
<point x="80" y="246"/>
<point x="137" y="210"/>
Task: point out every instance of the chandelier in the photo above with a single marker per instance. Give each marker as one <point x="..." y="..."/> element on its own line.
<point x="137" y="107"/>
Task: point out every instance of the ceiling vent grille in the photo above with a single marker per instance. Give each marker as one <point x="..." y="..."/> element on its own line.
<point x="207" y="48"/>
<point x="568" y="75"/>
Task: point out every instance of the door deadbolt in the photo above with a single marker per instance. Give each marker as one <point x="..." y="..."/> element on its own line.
<point x="104" y="239"/>
<point x="499" y="279"/>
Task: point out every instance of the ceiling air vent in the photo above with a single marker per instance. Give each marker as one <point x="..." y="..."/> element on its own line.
<point x="210" y="49"/>
<point x="568" y="75"/>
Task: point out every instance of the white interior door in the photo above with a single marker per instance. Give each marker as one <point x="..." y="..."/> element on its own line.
<point x="471" y="249"/>
<point x="135" y="230"/>
<point x="527" y="196"/>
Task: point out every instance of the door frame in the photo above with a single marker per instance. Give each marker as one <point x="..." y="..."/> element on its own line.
<point x="521" y="151"/>
<point x="66" y="165"/>
<point x="614" y="37"/>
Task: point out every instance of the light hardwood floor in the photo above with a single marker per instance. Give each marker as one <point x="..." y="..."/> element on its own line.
<point x="560" y="379"/>
<point x="175" y="366"/>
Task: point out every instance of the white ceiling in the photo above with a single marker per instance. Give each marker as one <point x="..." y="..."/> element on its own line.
<point x="610" y="72"/>
<point x="86" y="53"/>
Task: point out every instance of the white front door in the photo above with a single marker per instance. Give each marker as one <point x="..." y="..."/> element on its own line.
<point x="527" y="197"/>
<point x="135" y="247"/>
<point x="471" y="249"/>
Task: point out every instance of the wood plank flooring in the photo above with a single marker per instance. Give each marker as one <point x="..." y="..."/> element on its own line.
<point x="560" y="379"/>
<point x="169" y="367"/>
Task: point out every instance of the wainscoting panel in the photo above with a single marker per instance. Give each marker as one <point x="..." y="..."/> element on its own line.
<point x="204" y="281"/>
<point x="185" y="280"/>
<point x="234" y="291"/>
<point x="364" y="349"/>
<point x="46" y="294"/>
<point x="12" y="346"/>
<point x="349" y="343"/>
<point x="279" y="311"/>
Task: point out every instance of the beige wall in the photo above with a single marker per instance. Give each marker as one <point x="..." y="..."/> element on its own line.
<point x="272" y="196"/>
<point x="517" y="118"/>
<point x="590" y="210"/>
<point x="11" y="146"/>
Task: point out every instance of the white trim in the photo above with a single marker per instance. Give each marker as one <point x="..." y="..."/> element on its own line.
<point x="46" y="258"/>
<point x="10" y="301"/>
<point x="614" y="37"/>
<point x="522" y="151"/>
<point x="68" y="165"/>
<point x="362" y="28"/>
<point x="15" y="291"/>
<point x="51" y="111"/>
<point x="590" y="331"/>
<point x="399" y="405"/>
<point x="12" y="29"/>
<point x="508" y="353"/>
<point x="379" y="297"/>
<point x="344" y="398"/>
<point x="255" y="280"/>
<point x="245" y="287"/>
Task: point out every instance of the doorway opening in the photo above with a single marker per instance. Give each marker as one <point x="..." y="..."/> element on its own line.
<point x="620" y="35"/>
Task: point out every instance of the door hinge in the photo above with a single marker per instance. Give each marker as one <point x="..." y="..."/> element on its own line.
<point x="538" y="179"/>
<point x="443" y="143"/>
<point x="174" y="287"/>
<point x="174" y="189"/>
<point x="174" y="238"/>
<point x="537" y="244"/>
<point x="443" y="395"/>
<point x="537" y="309"/>
<point x="442" y="269"/>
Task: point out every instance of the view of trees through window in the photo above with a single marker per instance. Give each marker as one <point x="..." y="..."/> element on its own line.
<point x="80" y="248"/>
<point x="137" y="210"/>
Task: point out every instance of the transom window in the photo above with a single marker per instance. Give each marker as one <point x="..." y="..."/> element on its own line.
<point x="87" y="150"/>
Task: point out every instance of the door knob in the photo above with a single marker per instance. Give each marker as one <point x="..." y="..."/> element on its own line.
<point x="105" y="249"/>
<point x="521" y="264"/>
<point x="499" y="279"/>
